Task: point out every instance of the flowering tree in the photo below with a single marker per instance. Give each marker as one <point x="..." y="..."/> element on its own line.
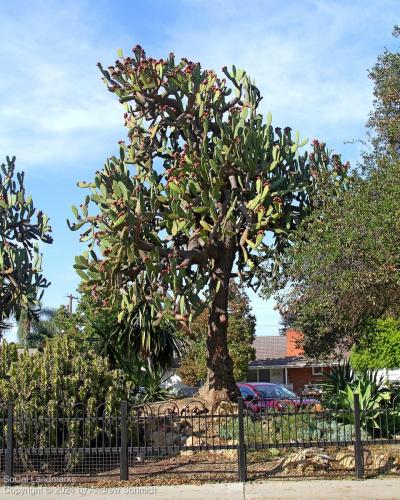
<point x="186" y="206"/>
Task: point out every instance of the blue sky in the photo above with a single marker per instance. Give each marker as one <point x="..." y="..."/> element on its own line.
<point x="309" y="59"/>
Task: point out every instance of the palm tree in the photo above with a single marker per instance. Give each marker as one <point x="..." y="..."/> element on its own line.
<point x="32" y="332"/>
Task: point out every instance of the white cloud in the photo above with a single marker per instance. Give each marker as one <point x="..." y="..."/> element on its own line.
<point x="54" y="108"/>
<point x="309" y="59"/>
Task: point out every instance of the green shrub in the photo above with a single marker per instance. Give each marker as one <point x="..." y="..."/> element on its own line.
<point x="63" y="380"/>
<point x="58" y="378"/>
<point x="379" y="346"/>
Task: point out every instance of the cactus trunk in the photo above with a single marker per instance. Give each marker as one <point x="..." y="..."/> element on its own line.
<point x="220" y="384"/>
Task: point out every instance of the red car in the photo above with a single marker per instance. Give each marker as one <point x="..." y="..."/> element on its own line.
<point x="261" y="396"/>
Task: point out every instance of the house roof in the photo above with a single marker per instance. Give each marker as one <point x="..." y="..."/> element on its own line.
<point x="271" y="351"/>
<point x="270" y="346"/>
<point x="284" y="361"/>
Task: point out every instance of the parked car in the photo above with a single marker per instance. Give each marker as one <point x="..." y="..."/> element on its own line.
<point x="262" y="396"/>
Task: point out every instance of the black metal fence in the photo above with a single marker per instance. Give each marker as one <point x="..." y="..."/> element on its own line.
<point x="242" y="440"/>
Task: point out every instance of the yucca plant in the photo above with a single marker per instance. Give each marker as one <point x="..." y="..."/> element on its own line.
<point x="136" y="342"/>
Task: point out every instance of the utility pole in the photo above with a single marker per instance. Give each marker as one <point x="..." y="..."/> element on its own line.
<point x="70" y="298"/>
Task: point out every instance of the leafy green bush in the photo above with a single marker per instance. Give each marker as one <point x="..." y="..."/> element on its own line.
<point x="58" y="378"/>
<point x="379" y="347"/>
<point x="50" y="388"/>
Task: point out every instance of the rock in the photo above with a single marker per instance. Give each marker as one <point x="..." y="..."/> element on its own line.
<point x="224" y="453"/>
<point x="181" y="426"/>
<point x="396" y="464"/>
<point x="226" y="408"/>
<point x="308" y="458"/>
<point x="194" y="441"/>
<point x="164" y="437"/>
<point x="367" y="457"/>
<point x="345" y="459"/>
<point x="161" y="439"/>
<point x="382" y="462"/>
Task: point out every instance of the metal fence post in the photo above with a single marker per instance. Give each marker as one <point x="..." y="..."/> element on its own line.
<point x="123" y="457"/>
<point x="241" y="445"/>
<point x="9" y="462"/>
<point x="358" y="450"/>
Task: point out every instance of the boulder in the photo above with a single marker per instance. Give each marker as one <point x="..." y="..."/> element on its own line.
<point x="310" y="458"/>
<point x="194" y="441"/>
<point x="164" y="436"/>
<point x="345" y="458"/>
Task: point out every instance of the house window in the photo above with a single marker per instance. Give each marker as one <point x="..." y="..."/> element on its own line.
<point x="252" y="376"/>
<point x="263" y="375"/>
<point x="317" y="370"/>
<point x="277" y="376"/>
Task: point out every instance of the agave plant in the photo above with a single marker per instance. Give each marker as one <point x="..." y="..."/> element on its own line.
<point x="343" y="383"/>
<point x="371" y="399"/>
<point x="337" y="380"/>
<point x="152" y="389"/>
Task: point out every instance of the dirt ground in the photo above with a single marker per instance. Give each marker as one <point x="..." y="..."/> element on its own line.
<point x="222" y="466"/>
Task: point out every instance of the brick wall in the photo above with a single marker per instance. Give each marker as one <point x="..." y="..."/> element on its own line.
<point x="300" y="377"/>
<point x="292" y="337"/>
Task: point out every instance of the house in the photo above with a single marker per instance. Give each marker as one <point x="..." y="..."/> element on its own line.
<point x="280" y="360"/>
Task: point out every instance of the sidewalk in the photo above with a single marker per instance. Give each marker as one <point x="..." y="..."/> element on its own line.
<point x="386" y="488"/>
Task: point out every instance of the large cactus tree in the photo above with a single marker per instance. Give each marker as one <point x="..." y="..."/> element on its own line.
<point x="187" y="205"/>
<point x="21" y="228"/>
